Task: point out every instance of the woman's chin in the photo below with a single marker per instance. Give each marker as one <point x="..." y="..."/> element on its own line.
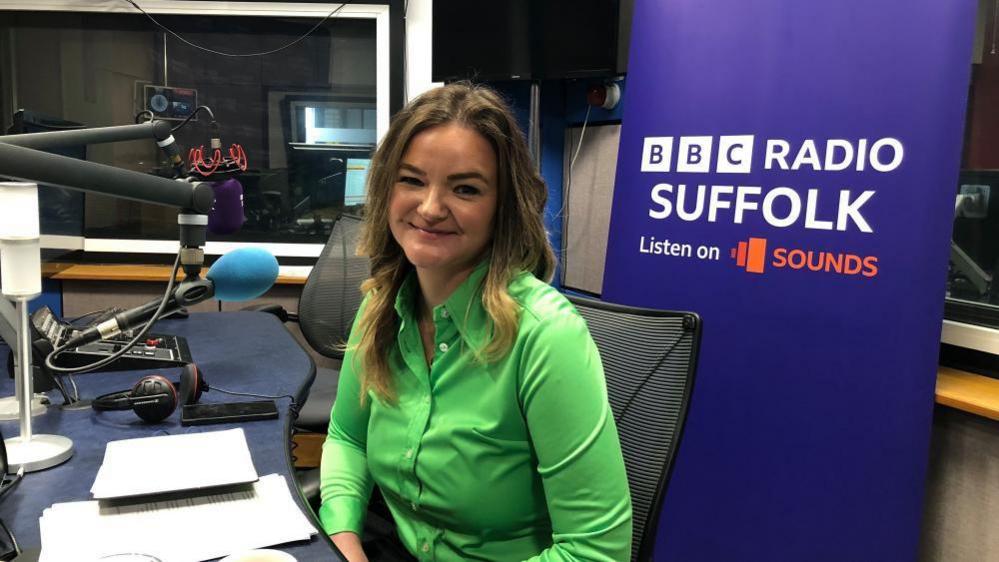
<point x="438" y="263"/>
<point x="422" y="260"/>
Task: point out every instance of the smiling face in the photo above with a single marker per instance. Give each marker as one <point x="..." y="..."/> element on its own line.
<point x="442" y="206"/>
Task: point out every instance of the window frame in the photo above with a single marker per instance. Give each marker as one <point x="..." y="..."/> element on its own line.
<point x="378" y="12"/>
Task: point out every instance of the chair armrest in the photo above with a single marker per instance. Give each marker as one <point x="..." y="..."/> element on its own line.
<point x="272" y="308"/>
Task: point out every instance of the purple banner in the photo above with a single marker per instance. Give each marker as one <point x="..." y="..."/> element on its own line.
<point x="787" y="170"/>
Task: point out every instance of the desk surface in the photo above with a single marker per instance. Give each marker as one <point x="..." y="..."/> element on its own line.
<point x="240" y="351"/>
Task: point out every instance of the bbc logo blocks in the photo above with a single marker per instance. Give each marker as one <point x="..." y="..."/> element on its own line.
<point x="695" y="154"/>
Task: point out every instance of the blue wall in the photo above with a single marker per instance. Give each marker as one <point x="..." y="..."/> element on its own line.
<point x="51" y="297"/>
<point x="563" y="105"/>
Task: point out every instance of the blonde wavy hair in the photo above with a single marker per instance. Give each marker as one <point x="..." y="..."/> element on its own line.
<point x="519" y="241"/>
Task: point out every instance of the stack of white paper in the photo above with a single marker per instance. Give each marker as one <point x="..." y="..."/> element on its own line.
<point x="185" y="530"/>
<point x="170" y="463"/>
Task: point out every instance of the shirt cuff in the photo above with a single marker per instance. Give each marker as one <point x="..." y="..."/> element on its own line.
<point x="342" y="514"/>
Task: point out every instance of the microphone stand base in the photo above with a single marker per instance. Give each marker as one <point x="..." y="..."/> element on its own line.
<point x="10" y="409"/>
<point x="38" y="453"/>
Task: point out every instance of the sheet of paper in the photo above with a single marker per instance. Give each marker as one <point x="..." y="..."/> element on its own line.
<point x="189" y="530"/>
<point x="168" y="463"/>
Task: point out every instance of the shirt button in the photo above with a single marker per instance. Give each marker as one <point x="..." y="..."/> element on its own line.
<point x="445" y="313"/>
<point x="413" y="505"/>
<point x="443" y="347"/>
<point x="426" y="399"/>
<point x="426" y="547"/>
<point x="409" y="453"/>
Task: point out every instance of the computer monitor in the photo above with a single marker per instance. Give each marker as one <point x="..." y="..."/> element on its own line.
<point x="322" y="177"/>
<point x="357" y="178"/>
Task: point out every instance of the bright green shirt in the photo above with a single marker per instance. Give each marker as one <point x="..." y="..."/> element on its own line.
<point x="518" y="459"/>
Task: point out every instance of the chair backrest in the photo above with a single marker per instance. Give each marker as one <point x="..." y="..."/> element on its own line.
<point x="332" y="293"/>
<point x="649" y="358"/>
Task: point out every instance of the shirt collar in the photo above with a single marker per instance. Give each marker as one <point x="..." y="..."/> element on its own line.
<point x="464" y="306"/>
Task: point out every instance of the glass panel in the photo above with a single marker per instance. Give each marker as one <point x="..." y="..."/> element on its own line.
<point x="972" y="295"/>
<point x="302" y="115"/>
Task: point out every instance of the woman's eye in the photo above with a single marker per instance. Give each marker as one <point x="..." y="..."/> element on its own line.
<point x="467" y="190"/>
<point x="410" y="180"/>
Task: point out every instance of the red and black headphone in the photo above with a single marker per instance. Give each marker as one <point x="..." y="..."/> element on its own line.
<point x="154" y="397"/>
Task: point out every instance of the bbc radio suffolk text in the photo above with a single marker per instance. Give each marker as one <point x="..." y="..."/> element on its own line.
<point x="780" y="206"/>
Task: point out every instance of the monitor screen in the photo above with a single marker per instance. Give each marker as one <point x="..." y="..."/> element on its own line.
<point x="481" y="40"/>
<point x="524" y="39"/>
<point x="357" y="177"/>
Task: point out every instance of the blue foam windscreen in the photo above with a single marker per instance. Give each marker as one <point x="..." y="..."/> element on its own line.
<point x="243" y="274"/>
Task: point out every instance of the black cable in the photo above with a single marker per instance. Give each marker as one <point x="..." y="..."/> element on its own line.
<point x="191" y="116"/>
<point x="259" y="54"/>
<point x="142" y="333"/>
<point x="13" y="539"/>
<point x="4" y="490"/>
<point x="57" y="380"/>
<point x="10" y="485"/>
<point x="89" y="314"/>
<point x="293" y="445"/>
<point x="66" y="398"/>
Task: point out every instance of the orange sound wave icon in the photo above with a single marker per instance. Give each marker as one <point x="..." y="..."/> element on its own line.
<point x="751" y="254"/>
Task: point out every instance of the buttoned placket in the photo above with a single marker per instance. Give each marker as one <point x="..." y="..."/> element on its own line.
<point x="446" y="336"/>
<point x="444" y="332"/>
<point x="411" y="346"/>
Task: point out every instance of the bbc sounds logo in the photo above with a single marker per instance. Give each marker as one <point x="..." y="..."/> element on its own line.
<point x="753" y="256"/>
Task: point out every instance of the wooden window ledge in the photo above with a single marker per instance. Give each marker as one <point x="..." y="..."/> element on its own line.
<point x="976" y="394"/>
<point x="288" y="275"/>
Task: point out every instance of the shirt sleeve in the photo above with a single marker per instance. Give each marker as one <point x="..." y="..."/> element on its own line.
<point x="345" y="482"/>
<point x="564" y="397"/>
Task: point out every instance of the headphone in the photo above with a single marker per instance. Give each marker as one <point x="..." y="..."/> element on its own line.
<point x="154" y="397"/>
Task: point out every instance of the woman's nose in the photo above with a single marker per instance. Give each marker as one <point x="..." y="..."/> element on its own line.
<point x="433" y="207"/>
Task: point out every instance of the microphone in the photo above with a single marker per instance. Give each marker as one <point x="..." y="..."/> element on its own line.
<point x="239" y="275"/>
<point x="243" y="274"/>
<point x="168" y="144"/>
<point x="226" y="215"/>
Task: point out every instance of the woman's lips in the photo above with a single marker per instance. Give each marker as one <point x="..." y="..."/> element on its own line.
<point x="431" y="232"/>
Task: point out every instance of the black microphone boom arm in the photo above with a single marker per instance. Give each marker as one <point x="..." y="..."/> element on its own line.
<point x="28" y="164"/>
<point x="187" y="294"/>
<point x="158" y="130"/>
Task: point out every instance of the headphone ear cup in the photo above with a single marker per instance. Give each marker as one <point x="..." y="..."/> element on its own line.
<point x="154" y="398"/>
<point x="191" y="384"/>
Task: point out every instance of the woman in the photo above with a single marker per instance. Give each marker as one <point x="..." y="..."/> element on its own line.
<point x="471" y="391"/>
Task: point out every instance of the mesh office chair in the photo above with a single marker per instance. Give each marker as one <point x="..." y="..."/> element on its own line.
<point x="649" y="358"/>
<point x="326" y="310"/>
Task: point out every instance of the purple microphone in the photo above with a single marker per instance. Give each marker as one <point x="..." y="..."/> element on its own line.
<point x="226" y="215"/>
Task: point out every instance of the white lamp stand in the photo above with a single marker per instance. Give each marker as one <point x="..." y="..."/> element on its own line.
<point x="21" y="281"/>
<point x="9" y="406"/>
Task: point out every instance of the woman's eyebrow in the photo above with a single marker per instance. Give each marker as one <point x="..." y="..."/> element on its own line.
<point x="467" y="175"/>
<point x="452" y="177"/>
<point x="412" y="168"/>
